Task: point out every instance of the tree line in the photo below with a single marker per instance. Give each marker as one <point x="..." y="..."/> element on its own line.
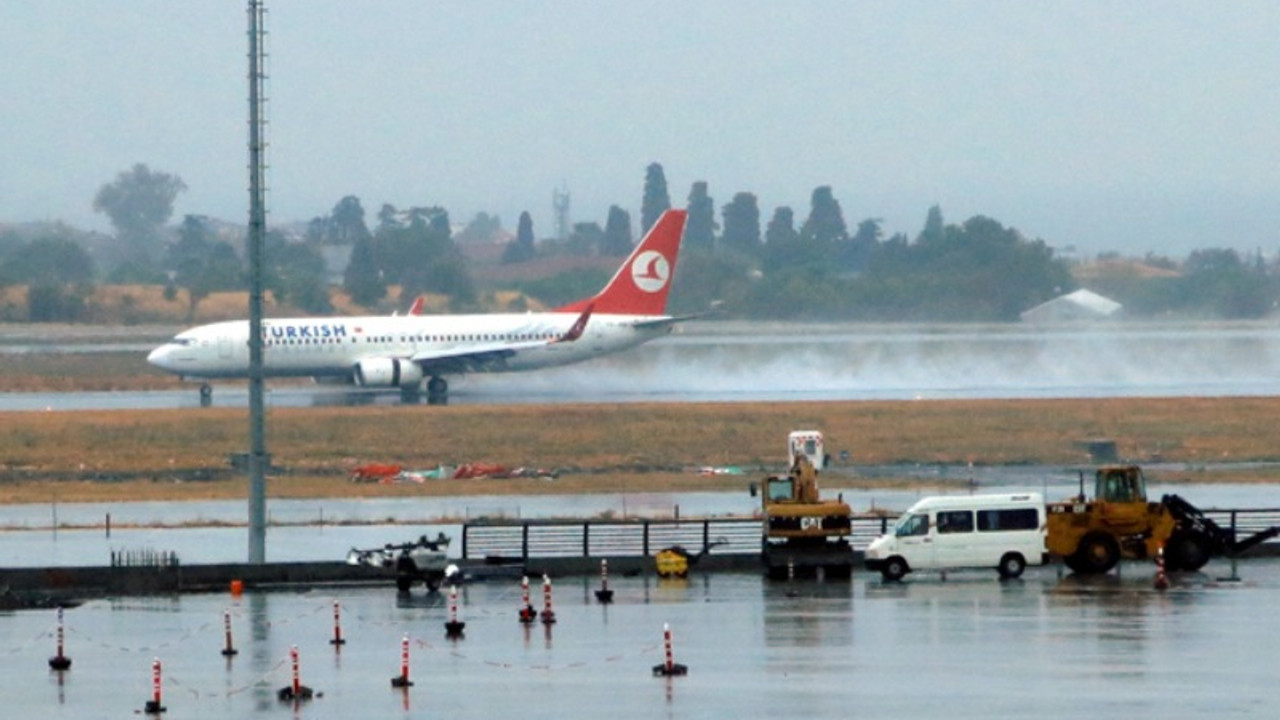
<point x="782" y="268"/>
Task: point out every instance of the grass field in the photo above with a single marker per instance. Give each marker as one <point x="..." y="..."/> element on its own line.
<point x="184" y="454"/>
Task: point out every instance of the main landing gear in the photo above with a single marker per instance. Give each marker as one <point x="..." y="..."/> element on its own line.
<point x="437" y="391"/>
<point x="206" y="395"/>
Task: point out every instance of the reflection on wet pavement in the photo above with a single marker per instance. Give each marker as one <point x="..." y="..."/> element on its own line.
<point x="967" y="646"/>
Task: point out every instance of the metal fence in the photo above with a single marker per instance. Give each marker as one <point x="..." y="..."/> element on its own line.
<point x="637" y="538"/>
<point x="1245" y="522"/>
<point x="721" y="536"/>
<point x="641" y="538"/>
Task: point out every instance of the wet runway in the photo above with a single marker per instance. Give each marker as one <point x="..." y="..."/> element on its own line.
<point x="967" y="647"/>
<point x="738" y="362"/>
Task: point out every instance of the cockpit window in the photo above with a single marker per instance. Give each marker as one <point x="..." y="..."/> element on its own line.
<point x="183" y="341"/>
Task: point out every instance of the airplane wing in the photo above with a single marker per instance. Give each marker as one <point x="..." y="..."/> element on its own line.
<point x="481" y="358"/>
<point x="473" y="358"/>
<point x="666" y="321"/>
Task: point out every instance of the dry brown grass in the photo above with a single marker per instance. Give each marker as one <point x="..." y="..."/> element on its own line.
<point x="602" y="447"/>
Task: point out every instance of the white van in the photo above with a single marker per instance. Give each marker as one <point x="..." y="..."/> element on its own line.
<point x="1005" y="532"/>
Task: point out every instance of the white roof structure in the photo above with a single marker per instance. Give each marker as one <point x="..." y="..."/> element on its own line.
<point x="1079" y="305"/>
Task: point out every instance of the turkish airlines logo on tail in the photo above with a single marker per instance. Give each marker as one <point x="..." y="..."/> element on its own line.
<point x="650" y="271"/>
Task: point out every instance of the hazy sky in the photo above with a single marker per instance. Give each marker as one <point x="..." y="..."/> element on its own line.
<point x="1136" y="126"/>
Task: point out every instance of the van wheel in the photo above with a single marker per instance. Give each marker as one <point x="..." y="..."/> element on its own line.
<point x="1011" y="566"/>
<point x="894" y="568"/>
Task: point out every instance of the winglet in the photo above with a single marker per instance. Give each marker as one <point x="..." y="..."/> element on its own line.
<point x="579" y="326"/>
<point x="414" y="309"/>
<point x="641" y="285"/>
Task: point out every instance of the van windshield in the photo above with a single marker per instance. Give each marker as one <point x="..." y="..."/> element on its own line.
<point x="909" y="525"/>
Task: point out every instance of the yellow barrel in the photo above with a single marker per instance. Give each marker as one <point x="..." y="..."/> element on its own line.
<point x="672" y="564"/>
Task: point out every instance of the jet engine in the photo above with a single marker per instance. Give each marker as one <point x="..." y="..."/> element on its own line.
<point x="387" y="372"/>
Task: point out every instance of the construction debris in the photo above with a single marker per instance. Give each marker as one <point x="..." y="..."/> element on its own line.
<point x="387" y="474"/>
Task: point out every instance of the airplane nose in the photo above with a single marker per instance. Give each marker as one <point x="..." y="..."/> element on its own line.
<point x="160" y="357"/>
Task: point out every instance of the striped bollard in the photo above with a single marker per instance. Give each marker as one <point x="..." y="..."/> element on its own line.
<point x="548" y="615"/>
<point x="154" y="706"/>
<point x="60" y="661"/>
<point x="1162" y="580"/>
<point x="670" y="667"/>
<point x="295" y="691"/>
<point x="527" y="613"/>
<point x="228" y="648"/>
<point x="337" y="640"/>
<point x="604" y="594"/>
<point x="453" y="628"/>
<point x="403" y="681"/>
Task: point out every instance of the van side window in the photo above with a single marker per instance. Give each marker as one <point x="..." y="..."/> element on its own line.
<point x="996" y="520"/>
<point x="913" y="525"/>
<point x="955" y="521"/>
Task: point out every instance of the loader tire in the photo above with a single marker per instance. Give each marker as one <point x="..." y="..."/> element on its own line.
<point x="1073" y="564"/>
<point x="1186" y="551"/>
<point x="1096" y="555"/>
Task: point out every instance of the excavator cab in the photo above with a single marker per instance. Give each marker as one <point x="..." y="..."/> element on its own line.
<point x="779" y="488"/>
<point x="800" y="485"/>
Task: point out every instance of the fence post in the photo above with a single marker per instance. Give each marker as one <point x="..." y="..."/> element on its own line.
<point x="646" y="538"/>
<point x="524" y="541"/>
<point x="465" y="528"/>
<point x="706" y="533"/>
<point x="586" y="539"/>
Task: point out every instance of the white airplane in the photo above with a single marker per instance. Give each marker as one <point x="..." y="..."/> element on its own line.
<point x="400" y="351"/>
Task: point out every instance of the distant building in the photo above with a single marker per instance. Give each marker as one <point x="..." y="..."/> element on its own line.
<point x="1079" y="305"/>
<point x="336" y="260"/>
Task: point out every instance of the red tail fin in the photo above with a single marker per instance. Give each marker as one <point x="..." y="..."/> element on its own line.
<point x="641" y="285"/>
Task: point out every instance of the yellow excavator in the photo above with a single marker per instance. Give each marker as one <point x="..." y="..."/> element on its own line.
<point x="803" y="532"/>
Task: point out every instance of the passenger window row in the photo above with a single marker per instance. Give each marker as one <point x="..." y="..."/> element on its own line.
<point x="419" y="338"/>
<point x="958" y="521"/>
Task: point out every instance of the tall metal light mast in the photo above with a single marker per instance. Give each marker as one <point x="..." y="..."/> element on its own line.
<point x="258" y="459"/>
